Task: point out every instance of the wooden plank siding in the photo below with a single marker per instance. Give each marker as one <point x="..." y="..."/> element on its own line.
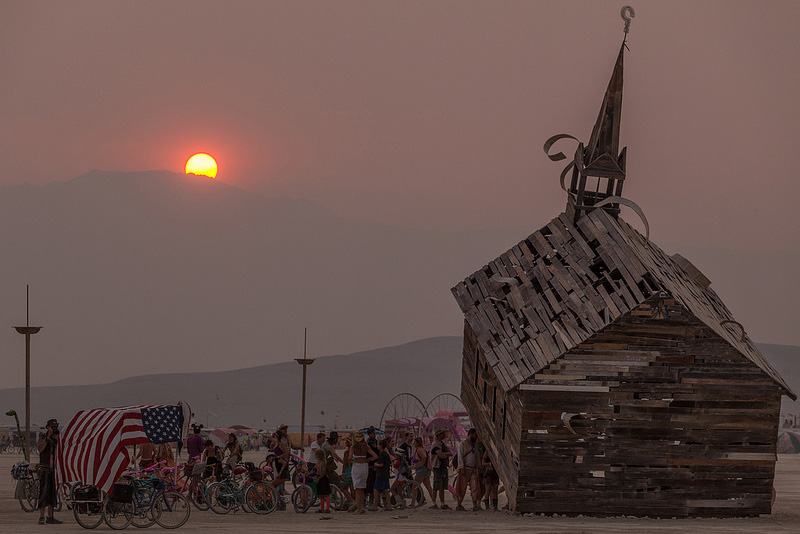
<point x="503" y="443"/>
<point x="669" y="420"/>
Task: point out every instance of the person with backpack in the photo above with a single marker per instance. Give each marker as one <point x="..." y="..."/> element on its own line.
<point x="468" y="466"/>
<point x="440" y="461"/>
<point x="402" y="467"/>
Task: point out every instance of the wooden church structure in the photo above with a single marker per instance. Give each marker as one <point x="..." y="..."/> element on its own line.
<point x="606" y="377"/>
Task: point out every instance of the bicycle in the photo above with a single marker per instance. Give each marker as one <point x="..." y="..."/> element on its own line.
<point x="86" y="501"/>
<point x="147" y="500"/>
<point x="27" y="487"/>
<point x="292" y="470"/>
<point x="305" y="496"/>
<point x="236" y="491"/>
<point x="192" y="483"/>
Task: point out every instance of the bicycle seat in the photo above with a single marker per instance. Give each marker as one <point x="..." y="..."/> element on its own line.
<point x="239" y="470"/>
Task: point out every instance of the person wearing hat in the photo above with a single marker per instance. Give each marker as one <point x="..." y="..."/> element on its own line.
<point x="47" y="481"/>
<point x="440" y="461"/>
<point x="331" y="457"/>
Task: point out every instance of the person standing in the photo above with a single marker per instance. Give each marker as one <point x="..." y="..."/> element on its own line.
<point x="346" y="480"/>
<point x="317" y="444"/>
<point x="323" y="483"/>
<point x="422" y="472"/>
<point x="361" y="455"/>
<point x="440" y="461"/>
<point x="146" y="454"/>
<point x="194" y="444"/>
<point x="491" y="481"/>
<point x="381" y="488"/>
<point x="212" y="460"/>
<point x="234" y="451"/>
<point x="402" y="467"/>
<point x="47" y="481"/>
<point x="283" y="450"/>
<point x="331" y="458"/>
<point x="468" y="461"/>
<point x="372" y="443"/>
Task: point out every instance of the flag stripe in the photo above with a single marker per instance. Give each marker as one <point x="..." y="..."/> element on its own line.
<point x="93" y="446"/>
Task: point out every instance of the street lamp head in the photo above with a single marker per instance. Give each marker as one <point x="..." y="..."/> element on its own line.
<point x="11" y="413"/>
<point x="28" y="330"/>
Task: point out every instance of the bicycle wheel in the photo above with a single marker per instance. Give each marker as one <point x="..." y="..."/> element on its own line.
<point x="295" y="477"/>
<point x="117" y="515"/>
<point x="220" y="498"/>
<point x="338" y="499"/>
<point x="261" y="498"/>
<point x="88" y="515"/>
<point x="269" y="474"/>
<point x="171" y="510"/>
<point x="197" y="494"/>
<point x="303" y="498"/>
<point x="62" y="497"/>
<point x="28" y="493"/>
<point x="142" y="510"/>
<point x="412" y="493"/>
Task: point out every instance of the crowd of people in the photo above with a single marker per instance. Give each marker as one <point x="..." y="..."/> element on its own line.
<point x="361" y="466"/>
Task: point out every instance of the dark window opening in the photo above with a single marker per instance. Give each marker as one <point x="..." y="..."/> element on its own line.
<point x="494" y="403"/>
<point x="477" y="365"/>
<point x="503" y="432"/>
<point x="485" y="386"/>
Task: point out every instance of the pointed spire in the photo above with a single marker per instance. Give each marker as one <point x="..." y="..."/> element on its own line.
<point x="602" y="151"/>
<point x="598" y="170"/>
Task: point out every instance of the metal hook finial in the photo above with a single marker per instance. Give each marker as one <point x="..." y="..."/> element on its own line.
<point x="627" y="13"/>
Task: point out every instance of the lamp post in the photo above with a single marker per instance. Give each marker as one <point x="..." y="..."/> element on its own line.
<point x="27" y="331"/>
<point x="305" y="362"/>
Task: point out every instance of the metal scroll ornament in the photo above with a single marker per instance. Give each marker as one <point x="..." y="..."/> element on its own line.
<point x="627" y="14"/>
<point x="560" y="155"/>
<point x="632" y="205"/>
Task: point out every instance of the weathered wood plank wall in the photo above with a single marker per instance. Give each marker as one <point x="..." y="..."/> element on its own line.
<point x="501" y="433"/>
<point x="669" y="420"/>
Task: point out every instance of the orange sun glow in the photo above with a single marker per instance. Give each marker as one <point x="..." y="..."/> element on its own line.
<point x="202" y="164"/>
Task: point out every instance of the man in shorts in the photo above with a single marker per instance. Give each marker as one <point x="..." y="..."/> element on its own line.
<point x="440" y="460"/>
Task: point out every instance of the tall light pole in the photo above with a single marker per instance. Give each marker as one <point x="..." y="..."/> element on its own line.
<point x="27" y="331"/>
<point x="305" y="362"/>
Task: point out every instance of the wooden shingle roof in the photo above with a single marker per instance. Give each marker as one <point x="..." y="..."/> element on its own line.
<point x="565" y="282"/>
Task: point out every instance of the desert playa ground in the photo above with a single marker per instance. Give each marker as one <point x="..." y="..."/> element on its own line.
<point x="785" y="516"/>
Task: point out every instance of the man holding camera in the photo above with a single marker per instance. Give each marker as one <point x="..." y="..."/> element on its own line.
<point x="47" y="480"/>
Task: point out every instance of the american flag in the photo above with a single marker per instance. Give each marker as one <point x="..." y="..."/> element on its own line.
<point x="92" y="447"/>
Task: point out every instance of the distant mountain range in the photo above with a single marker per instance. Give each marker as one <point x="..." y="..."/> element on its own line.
<point x="356" y="387"/>
<point x="348" y="389"/>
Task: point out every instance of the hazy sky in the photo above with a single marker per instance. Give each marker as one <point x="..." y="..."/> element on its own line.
<point x="429" y="114"/>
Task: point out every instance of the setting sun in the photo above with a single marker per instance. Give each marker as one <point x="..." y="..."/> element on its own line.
<point x="202" y="164"/>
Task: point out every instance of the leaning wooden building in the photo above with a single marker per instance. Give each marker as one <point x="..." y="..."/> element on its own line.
<point x="606" y="377"/>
